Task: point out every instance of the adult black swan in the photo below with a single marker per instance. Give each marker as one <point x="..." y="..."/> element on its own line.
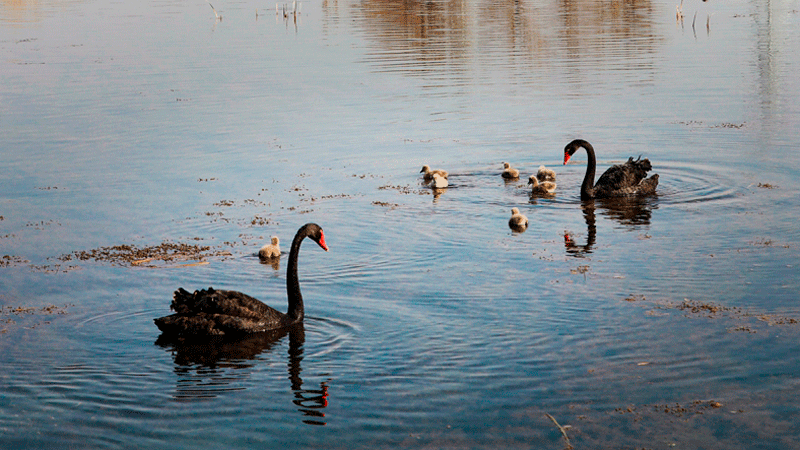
<point x="210" y="312"/>
<point x="618" y="181"/>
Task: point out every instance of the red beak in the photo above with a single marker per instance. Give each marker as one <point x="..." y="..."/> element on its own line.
<point x="566" y="158"/>
<point x="321" y="241"/>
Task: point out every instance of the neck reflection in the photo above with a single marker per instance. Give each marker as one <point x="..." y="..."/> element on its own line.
<point x="208" y="367"/>
<point x="631" y="212"/>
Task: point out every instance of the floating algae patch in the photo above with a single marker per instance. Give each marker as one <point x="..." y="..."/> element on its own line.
<point x="168" y="254"/>
<point x="17" y="316"/>
<point x="11" y="260"/>
<point x="407" y="189"/>
<point x="743" y="318"/>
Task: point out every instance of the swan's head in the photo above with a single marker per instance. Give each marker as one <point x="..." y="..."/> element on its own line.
<point x="573" y="147"/>
<point x="533" y="180"/>
<point x="313" y="231"/>
<point x="568" y="152"/>
<point x="425" y="169"/>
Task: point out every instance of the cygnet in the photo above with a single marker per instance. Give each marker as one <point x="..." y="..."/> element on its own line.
<point x="509" y="172"/>
<point x="517" y="221"/>
<point x="270" y="251"/>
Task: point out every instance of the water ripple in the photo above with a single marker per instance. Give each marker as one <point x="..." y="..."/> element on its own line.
<point x="677" y="184"/>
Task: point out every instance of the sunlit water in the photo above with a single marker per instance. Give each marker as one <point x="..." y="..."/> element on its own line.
<point x="665" y="322"/>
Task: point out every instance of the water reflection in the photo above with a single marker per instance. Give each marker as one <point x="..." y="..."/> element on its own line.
<point x="205" y="367"/>
<point x="632" y="212"/>
<point x="311" y="402"/>
<point x="414" y="35"/>
<point x="275" y="263"/>
<point x="458" y="40"/>
<point x="437" y="192"/>
<point x="535" y="195"/>
<point x="288" y="12"/>
<point x="575" y="249"/>
<point x="17" y="13"/>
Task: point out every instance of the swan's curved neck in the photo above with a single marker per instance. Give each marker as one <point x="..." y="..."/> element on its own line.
<point x="587" y="188"/>
<point x="295" y="310"/>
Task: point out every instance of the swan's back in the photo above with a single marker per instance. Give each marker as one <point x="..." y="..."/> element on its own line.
<point x="218" y="312"/>
<point x="213" y="301"/>
<point x="626" y="179"/>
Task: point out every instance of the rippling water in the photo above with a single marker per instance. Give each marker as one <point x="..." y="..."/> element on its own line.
<point x="663" y="322"/>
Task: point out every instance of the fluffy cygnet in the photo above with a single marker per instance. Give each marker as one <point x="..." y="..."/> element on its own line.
<point x="545" y="187"/>
<point x="509" y="172"/>
<point x="427" y="173"/>
<point x="439" y="181"/>
<point x="270" y="251"/>
<point x="545" y="174"/>
<point x="517" y="220"/>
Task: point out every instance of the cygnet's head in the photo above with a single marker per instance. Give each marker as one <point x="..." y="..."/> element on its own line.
<point x="275" y="240"/>
<point x="425" y="169"/>
<point x="506" y="165"/>
<point x="533" y="180"/>
<point x="514" y="211"/>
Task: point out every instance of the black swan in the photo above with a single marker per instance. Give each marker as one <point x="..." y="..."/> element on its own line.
<point x="212" y="312"/>
<point x="618" y="181"/>
<point x="427" y="173"/>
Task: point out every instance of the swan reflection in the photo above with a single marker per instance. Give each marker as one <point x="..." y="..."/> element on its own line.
<point x="275" y="263"/>
<point x="575" y="249"/>
<point x="632" y="212"/>
<point x="208" y="366"/>
<point x="437" y="192"/>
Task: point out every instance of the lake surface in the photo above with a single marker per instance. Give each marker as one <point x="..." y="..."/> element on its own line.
<point x="146" y="146"/>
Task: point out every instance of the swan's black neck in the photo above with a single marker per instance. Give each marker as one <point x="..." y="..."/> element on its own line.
<point x="587" y="188"/>
<point x="295" y="311"/>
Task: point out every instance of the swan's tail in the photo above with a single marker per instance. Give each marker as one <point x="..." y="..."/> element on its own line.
<point x="189" y="317"/>
<point x="648" y="185"/>
<point x="184" y="302"/>
<point x="641" y="165"/>
<point x="191" y="325"/>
